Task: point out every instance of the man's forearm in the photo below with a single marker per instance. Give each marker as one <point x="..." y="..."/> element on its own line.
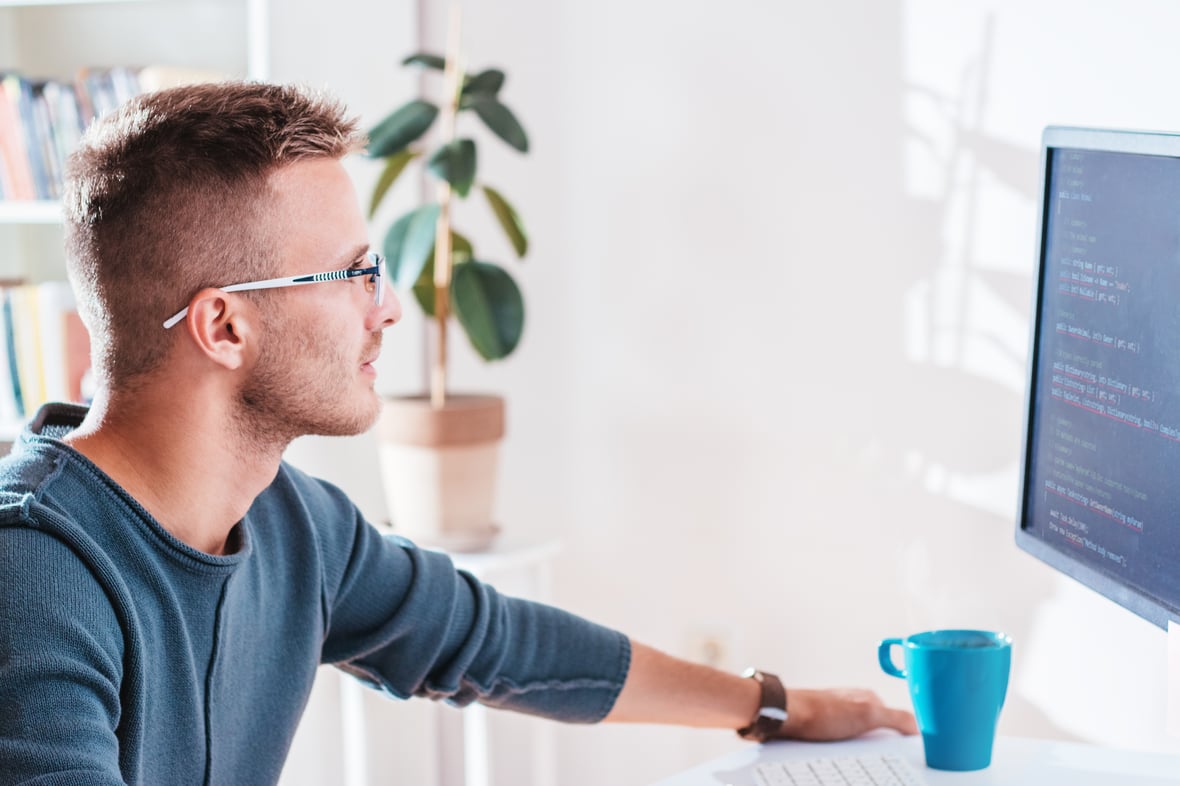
<point x="664" y="689"/>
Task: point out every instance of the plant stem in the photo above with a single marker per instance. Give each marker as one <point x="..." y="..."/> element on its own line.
<point x="452" y="75"/>
<point x="442" y="280"/>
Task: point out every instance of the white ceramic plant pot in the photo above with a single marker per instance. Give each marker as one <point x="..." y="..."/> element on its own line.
<point x="438" y="468"/>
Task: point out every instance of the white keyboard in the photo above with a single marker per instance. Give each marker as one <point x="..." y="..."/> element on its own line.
<point x="864" y="770"/>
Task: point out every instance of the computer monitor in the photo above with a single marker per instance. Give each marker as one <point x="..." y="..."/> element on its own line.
<point x="1100" y="479"/>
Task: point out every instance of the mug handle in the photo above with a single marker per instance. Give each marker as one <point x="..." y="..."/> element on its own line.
<point x="885" y="658"/>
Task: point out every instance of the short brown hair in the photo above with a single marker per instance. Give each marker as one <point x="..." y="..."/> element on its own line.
<point x="166" y="196"/>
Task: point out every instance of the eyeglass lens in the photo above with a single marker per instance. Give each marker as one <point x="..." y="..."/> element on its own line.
<point x="378" y="280"/>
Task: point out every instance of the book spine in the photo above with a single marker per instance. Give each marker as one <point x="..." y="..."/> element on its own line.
<point x="12" y="140"/>
<point x="30" y="360"/>
<point x="33" y="147"/>
<point x="10" y="411"/>
<point x="43" y="133"/>
<point x="9" y="314"/>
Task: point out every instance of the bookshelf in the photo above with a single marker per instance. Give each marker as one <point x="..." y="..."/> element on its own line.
<point x="56" y="39"/>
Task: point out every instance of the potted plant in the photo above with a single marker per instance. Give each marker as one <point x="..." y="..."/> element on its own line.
<point x="439" y="451"/>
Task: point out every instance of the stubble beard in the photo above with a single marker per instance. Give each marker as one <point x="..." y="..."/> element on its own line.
<point x="308" y="388"/>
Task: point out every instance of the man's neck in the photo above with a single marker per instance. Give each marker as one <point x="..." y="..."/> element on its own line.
<point x="182" y="463"/>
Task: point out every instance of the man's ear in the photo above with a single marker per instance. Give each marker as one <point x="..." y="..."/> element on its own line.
<point x="222" y="326"/>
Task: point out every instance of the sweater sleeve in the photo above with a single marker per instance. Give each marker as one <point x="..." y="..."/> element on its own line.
<point x="60" y="665"/>
<point x="405" y="620"/>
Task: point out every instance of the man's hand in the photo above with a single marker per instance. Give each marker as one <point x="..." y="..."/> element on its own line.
<point x="664" y="689"/>
<point x="840" y="714"/>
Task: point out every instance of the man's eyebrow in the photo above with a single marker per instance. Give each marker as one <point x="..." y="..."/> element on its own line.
<point x="353" y="256"/>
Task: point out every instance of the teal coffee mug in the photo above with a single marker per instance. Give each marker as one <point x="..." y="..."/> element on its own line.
<point x="957" y="680"/>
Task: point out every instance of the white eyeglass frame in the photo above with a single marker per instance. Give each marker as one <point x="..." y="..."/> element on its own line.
<point x="376" y="271"/>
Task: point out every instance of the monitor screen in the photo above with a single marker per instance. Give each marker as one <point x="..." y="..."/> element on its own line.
<point x="1100" y="481"/>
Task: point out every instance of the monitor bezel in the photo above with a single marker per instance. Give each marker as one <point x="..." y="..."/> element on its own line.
<point x="1157" y="610"/>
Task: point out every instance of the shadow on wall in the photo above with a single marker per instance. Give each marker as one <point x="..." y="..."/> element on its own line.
<point x="965" y="341"/>
<point x="888" y="474"/>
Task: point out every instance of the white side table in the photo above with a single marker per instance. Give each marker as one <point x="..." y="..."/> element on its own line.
<point x="519" y="569"/>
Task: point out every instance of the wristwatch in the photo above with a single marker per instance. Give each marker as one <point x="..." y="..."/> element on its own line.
<point x="772" y="707"/>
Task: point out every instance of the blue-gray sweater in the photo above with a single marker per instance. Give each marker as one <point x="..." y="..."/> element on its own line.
<point x="128" y="657"/>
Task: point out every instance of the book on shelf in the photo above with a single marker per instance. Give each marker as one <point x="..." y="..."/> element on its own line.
<point x="44" y="349"/>
<point x="41" y="120"/>
<point x="16" y="176"/>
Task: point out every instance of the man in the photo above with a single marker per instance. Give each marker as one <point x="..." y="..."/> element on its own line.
<point x="167" y="585"/>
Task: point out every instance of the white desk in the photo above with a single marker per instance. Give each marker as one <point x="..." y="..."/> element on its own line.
<point x="1016" y="761"/>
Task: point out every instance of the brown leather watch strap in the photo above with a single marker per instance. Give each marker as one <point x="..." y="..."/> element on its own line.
<point x="772" y="708"/>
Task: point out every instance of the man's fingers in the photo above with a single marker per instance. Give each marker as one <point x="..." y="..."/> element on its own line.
<point x="901" y="720"/>
<point x="840" y="714"/>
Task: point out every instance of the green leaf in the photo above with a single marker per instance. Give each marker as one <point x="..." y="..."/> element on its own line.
<point x="489" y="307"/>
<point x="501" y="121"/>
<point x="408" y="243"/>
<point x="424" y="286"/>
<point x="461" y="249"/>
<point x="454" y="162"/>
<point x="509" y="219"/>
<point x="426" y="59"/>
<point x="485" y="83"/>
<point x="394" y="165"/>
<point x="401" y="127"/>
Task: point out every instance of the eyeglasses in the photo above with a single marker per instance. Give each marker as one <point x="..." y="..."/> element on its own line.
<point x="375" y="284"/>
